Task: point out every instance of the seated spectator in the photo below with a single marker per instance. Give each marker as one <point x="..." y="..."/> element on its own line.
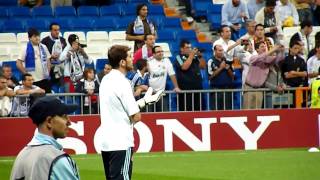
<point x="234" y="13"/>
<point x="107" y="68"/>
<point x="146" y="50"/>
<point x="30" y="3"/>
<point x="221" y="77"/>
<point x="139" y="80"/>
<point x="7" y="73"/>
<point x="188" y="64"/>
<point x="159" y="68"/>
<point x="305" y="37"/>
<point x="89" y="86"/>
<point x="254" y="6"/>
<point x="288" y="13"/>
<point x="270" y="19"/>
<point x="5" y="97"/>
<point x="74" y="58"/>
<point x="55" y="44"/>
<point x="315" y="92"/>
<point x="142" y="26"/>
<point x="21" y="104"/>
<point x="260" y="36"/>
<point x="304" y="9"/>
<point x="35" y="59"/>
<point x="313" y="65"/>
<point x="258" y="73"/>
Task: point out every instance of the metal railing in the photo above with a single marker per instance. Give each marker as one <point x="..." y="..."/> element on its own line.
<point x="194" y="100"/>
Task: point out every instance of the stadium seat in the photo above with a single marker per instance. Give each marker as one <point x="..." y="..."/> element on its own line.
<point x="128" y="10"/>
<point x="8" y="3"/>
<point x="155" y="10"/>
<point x="3" y="13"/>
<point x="39" y="24"/>
<point x="19" y="12"/>
<point x="22" y="39"/>
<point x="166" y="49"/>
<point x="81" y="24"/>
<point x="172" y="23"/>
<point x="166" y="35"/>
<point x="95" y="52"/>
<point x="88" y="11"/>
<point x="113" y="10"/>
<point x="215" y="20"/>
<point x="200" y="8"/>
<point x="289" y="31"/>
<point x="123" y="22"/>
<point x="14" y="52"/>
<point x="104" y="24"/>
<point x="81" y="35"/>
<point x="214" y="9"/>
<point x="187" y="34"/>
<point x="138" y="1"/>
<point x="13" y="25"/>
<point x="65" y="11"/>
<point x="97" y="37"/>
<point x="42" y="12"/>
<point x="100" y="64"/>
<point x="4" y="54"/>
<point x="157" y="20"/>
<point x="63" y="23"/>
<point x="115" y="36"/>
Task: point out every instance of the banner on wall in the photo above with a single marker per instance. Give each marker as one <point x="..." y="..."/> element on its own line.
<point x="184" y="131"/>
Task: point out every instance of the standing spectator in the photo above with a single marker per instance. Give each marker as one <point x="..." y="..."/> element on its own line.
<point x="259" y="36"/>
<point x="55" y="44"/>
<point x="316" y="12"/>
<point x="188" y="64"/>
<point x="43" y="157"/>
<point x="221" y="77"/>
<point x="36" y="59"/>
<point x="254" y="6"/>
<point x="234" y="13"/>
<point x="89" y="86"/>
<point x="313" y="65"/>
<point x="304" y="9"/>
<point x="139" y="80"/>
<point x="5" y="97"/>
<point x="244" y="57"/>
<point x="271" y="20"/>
<point x="56" y="3"/>
<point x="294" y="68"/>
<point x="288" y="13"/>
<point x="142" y="26"/>
<point x="250" y="26"/>
<point x="21" y="104"/>
<point x="159" y="69"/>
<point x="315" y="92"/>
<point x="30" y="3"/>
<point x="258" y="73"/>
<point x="304" y="34"/>
<point x="7" y="73"/>
<point x="107" y="68"/>
<point x="146" y="50"/>
<point x="317" y="41"/>
<point x="74" y="58"/>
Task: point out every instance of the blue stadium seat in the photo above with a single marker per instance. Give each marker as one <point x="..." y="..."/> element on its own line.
<point x="172" y="23"/>
<point x="39" y="24"/>
<point x="187" y="34"/>
<point x="128" y="10"/>
<point x="63" y="23"/>
<point x="201" y="8"/>
<point x="3" y="13"/>
<point x="65" y="11"/>
<point x="123" y="22"/>
<point x="113" y="10"/>
<point x="104" y="24"/>
<point x="15" y="72"/>
<point x="89" y="65"/>
<point x="215" y="20"/>
<point x="43" y="12"/>
<point x="155" y="10"/>
<point x="157" y="20"/>
<point x="19" y="12"/>
<point x="100" y="64"/>
<point x="138" y="1"/>
<point x="8" y="3"/>
<point x="81" y="24"/>
<point x="13" y="25"/>
<point x="166" y="35"/>
<point x="88" y="11"/>
<point x="215" y="9"/>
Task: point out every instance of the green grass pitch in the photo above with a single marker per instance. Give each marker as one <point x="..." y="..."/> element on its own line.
<point x="278" y="164"/>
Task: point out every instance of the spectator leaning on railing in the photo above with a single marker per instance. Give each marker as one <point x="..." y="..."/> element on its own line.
<point x="7" y="73"/>
<point x="5" y="97"/>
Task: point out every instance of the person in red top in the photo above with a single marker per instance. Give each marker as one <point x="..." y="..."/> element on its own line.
<point x="146" y="50"/>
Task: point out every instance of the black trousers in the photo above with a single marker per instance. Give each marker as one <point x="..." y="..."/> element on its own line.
<point x="117" y="164"/>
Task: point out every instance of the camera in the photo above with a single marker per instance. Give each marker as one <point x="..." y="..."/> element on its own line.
<point x="244" y="42"/>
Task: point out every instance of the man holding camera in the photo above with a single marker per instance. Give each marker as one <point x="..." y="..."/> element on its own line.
<point x="188" y="64"/>
<point x="74" y="58"/>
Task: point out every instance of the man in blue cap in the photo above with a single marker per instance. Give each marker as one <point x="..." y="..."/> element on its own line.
<point x="43" y="157"/>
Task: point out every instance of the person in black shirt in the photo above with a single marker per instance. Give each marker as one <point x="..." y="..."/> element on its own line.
<point x="188" y="64"/>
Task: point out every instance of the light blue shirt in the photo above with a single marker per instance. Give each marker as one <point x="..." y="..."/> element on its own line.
<point x="254" y="7"/>
<point x="64" y="167"/>
<point x="231" y="14"/>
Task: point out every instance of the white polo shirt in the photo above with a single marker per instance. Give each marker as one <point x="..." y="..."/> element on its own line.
<point x="313" y="65"/>
<point x="117" y="103"/>
<point x="230" y="54"/>
<point x="159" y="71"/>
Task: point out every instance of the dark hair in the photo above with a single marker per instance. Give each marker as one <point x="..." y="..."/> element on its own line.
<point x="139" y="7"/>
<point x="257" y="44"/>
<point x="146" y="36"/>
<point x="6" y="66"/>
<point x="222" y="27"/>
<point x="270" y="3"/>
<point x="258" y="25"/>
<point x="141" y="63"/>
<point x="317" y="38"/>
<point x="154" y="49"/>
<point x="24" y="76"/>
<point x="319" y="70"/>
<point x="305" y="23"/>
<point x="86" y="72"/>
<point x="53" y="24"/>
<point x="72" y="38"/>
<point x="183" y="42"/>
<point x="33" y="32"/>
<point x="292" y="43"/>
<point x="117" y="53"/>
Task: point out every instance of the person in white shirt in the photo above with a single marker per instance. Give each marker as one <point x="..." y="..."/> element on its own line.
<point x="5" y="97"/>
<point x="119" y="112"/>
<point x="313" y="65"/>
<point x="159" y="68"/>
<point x="287" y="11"/>
<point x="305" y="37"/>
<point x="74" y="58"/>
<point x="35" y="59"/>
